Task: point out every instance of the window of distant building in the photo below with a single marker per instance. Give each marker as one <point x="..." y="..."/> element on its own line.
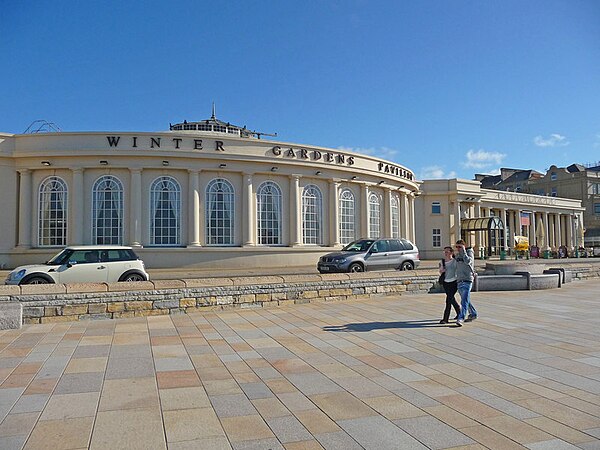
<point x="436" y="208"/>
<point x="553" y="192"/>
<point x="437" y="237"/>
<point x="374" y="217"/>
<point x="395" y="218"/>
<point x="219" y="214"/>
<point x="553" y="176"/>
<point x="269" y="213"/>
<point x="596" y="188"/>
<point x="312" y="215"/>
<point x="165" y="212"/>
<point x="107" y="211"/>
<point x="347" y="217"/>
<point x="52" y="212"/>
<point x="597" y="209"/>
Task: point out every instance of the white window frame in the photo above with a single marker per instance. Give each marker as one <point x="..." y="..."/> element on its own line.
<point x="52" y="232"/>
<point x="347" y="219"/>
<point x="173" y="191"/>
<point x="395" y="212"/>
<point x="436" y="237"/>
<point x="434" y="205"/>
<point x="118" y="200"/>
<point x="374" y="216"/>
<point x="269" y="204"/>
<point x="312" y="215"/>
<point x="223" y="234"/>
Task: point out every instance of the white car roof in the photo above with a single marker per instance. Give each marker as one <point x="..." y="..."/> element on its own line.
<point x="97" y="247"/>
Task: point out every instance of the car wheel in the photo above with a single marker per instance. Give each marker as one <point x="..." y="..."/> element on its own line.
<point x="407" y="265"/>
<point x="36" y="280"/>
<point x="134" y="277"/>
<point x="356" y="267"/>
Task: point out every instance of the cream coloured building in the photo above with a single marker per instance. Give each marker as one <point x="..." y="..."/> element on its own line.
<point x="446" y="209"/>
<point x="203" y="194"/>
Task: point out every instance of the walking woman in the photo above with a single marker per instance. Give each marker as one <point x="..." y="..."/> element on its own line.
<point x="448" y="269"/>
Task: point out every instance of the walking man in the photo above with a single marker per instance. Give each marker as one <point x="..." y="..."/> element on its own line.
<point x="465" y="272"/>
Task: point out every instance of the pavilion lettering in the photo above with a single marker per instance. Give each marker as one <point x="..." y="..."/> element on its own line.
<point x="158" y="142"/>
<point x="313" y="155"/>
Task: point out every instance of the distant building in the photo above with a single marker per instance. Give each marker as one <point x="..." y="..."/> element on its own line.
<point x="575" y="181"/>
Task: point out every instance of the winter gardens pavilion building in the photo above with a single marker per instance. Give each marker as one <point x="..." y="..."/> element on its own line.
<point x="204" y="194"/>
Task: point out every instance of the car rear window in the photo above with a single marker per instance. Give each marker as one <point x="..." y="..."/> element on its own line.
<point x="395" y="245"/>
<point x="407" y="245"/>
<point x="117" y="255"/>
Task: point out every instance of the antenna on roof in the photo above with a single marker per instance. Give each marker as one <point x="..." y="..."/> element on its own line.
<point x="42" y="126"/>
<point x="213" y="111"/>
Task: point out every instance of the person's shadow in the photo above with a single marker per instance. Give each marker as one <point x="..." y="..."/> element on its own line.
<point x="370" y="326"/>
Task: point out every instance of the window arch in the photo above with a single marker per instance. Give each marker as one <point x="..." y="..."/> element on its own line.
<point x="268" y="212"/>
<point x="107" y="211"/>
<point x="52" y="213"/>
<point x="374" y="217"/>
<point x="312" y="215"/>
<point x="165" y="211"/>
<point x="220" y="208"/>
<point x="347" y="217"/>
<point x="395" y="218"/>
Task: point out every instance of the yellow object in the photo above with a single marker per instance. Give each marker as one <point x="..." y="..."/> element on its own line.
<point x="521" y="243"/>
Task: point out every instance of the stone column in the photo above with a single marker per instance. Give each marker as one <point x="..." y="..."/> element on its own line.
<point x="334" y="213"/>
<point x="295" y="211"/>
<point x="569" y="229"/>
<point x="135" y="222"/>
<point x="505" y="234"/>
<point x="547" y="230"/>
<point x="194" y="208"/>
<point x="248" y="211"/>
<point x="559" y="241"/>
<point x="403" y="206"/>
<point x="552" y="236"/>
<point x="25" y="213"/>
<point x="76" y="215"/>
<point x="518" y="226"/>
<point x="534" y="229"/>
<point x="411" y="203"/>
<point x="387" y="213"/>
<point x="364" y="206"/>
<point x="457" y="218"/>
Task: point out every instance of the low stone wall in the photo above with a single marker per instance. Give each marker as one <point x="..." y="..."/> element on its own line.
<point x="58" y="303"/>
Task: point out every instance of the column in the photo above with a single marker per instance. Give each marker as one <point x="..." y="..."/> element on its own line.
<point x="194" y="208"/>
<point x="135" y="223"/>
<point x="364" y="207"/>
<point x="457" y="218"/>
<point x="534" y="228"/>
<point x="546" y="231"/>
<point x="504" y="234"/>
<point x="518" y="226"/>
<point x="478" y="239"/>
<point x="411" y="203"/>
<point x="387" y="213"/>
<point x="559" y="238"/>
<point x="25" y="212"/>
<point x="403" y="214"/>
<point x="76" y="215"/>
<point x="552" y="235"/>
<point x="334" y="213"/>
<point x="248" y="211"/>
<point x="295" y="211"/>
<point x="569" y="229"/>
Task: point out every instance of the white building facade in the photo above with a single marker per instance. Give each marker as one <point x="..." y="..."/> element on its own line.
<point x="444" y="209"/>
<point x="204" y="194"/>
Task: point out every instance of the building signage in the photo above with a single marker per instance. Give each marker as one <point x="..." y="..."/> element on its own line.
<point x="157" y="142"/>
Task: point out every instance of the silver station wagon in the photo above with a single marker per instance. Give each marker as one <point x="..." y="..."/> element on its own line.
<point x="371" y="254"/>
<point x="84" y="264"/>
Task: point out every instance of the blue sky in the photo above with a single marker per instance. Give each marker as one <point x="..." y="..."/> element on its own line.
<point x="447" y="88"/>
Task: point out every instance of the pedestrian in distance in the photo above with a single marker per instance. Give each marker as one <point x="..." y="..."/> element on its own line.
<point x="465" y="274"/>
<point x="447" y="269"/>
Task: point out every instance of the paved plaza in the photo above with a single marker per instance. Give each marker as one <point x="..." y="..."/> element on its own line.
<point x="377" y="374"/>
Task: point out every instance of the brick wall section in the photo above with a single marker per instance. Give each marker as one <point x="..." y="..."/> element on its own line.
<point x="60" y="303"/>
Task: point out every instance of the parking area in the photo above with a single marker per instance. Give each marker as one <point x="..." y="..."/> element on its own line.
<point x="378" y="374"/>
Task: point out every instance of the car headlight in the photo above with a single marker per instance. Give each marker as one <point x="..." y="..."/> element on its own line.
<point x="17" y="275"/>
<point x="340" y="260"/>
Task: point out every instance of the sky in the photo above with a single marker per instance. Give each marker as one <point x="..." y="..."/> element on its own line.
<point x="446" y="88"/>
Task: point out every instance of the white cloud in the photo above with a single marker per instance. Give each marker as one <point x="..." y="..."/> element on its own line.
<point x="381" y="152"/>
<point x="555" y="140"/>
<point x="435" y="172"/>
<point x="480" y="159"/>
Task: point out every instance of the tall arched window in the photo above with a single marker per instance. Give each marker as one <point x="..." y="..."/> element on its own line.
<point x="347" y="217"/>
<point x="268" y="209"/>
<point x="395" y="218"/>
<point x="374" y="217"/>
<point x="52" y="213"/>
<point x="312" y="215"/>
<point x="107" y="211"/>
<point x="165" y="212"/>
<point x="220" y="206"/>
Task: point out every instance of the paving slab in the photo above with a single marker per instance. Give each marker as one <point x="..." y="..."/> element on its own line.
<point x="372" y="374"/>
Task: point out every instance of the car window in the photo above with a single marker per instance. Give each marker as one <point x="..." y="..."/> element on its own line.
<point x="117" y="255"/>
<point x="358" y="246"/>
<point x="381" y="246"/>
<point x="407" y="245"/>
<point x="395" y="245"/>
<point x="84" y="257"/>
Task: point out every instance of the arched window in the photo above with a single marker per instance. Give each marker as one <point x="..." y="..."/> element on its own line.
<point x="165" y="212"/>
<point x="395" y="218"/>
<point x="107" y="211"/>
<point x="312" y="215"/>
<point x="347" y="217"/>
<point x="268" y="209"/>
<point x="52" y="213"/>
<point x="220" y="206"/>
<point x="374" y="217"/>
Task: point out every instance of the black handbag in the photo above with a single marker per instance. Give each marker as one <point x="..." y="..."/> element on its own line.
<point x="443" y="274"/>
